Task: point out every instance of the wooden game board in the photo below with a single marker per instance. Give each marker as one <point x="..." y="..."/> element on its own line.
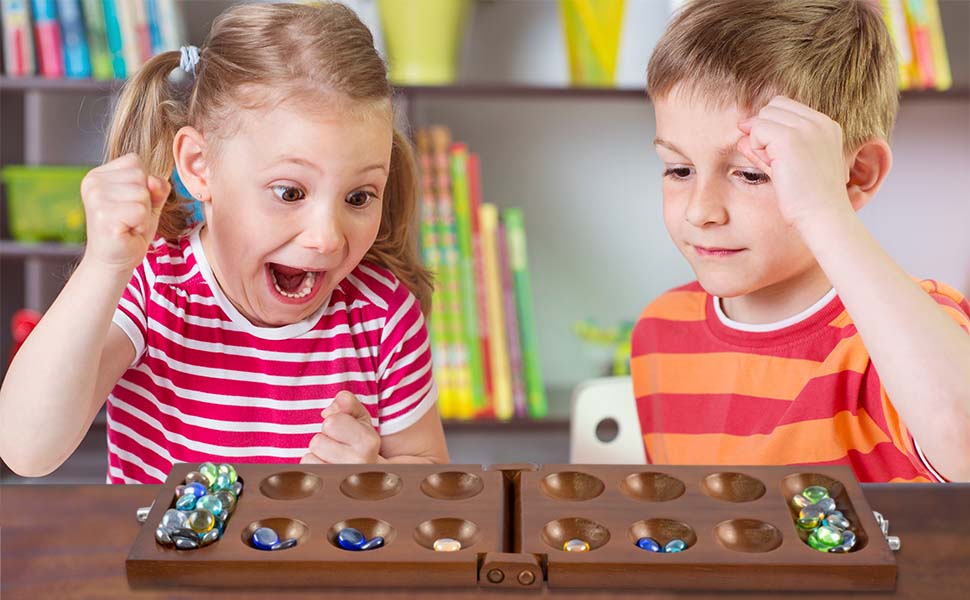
<point x="512" y="521"/>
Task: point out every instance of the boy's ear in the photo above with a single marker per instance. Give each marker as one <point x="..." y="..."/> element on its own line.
<point x="869" y="165"/>
<point x="189" y="149"/>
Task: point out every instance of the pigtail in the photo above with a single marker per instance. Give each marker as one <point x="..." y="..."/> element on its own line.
<point x="148" y="114"/>
<point x="396" y="246"/>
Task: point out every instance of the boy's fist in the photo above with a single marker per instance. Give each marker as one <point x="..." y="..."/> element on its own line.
<point x="347" y="435"/>
<point x="122" y="204"/>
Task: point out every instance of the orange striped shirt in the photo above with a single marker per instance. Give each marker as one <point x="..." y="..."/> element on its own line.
<point x="710" y="391"/>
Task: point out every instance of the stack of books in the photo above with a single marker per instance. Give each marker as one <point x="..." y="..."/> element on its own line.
<point x="917" y="32"/>
<point x="482" y="324"/>
<point x="80" y="39"/>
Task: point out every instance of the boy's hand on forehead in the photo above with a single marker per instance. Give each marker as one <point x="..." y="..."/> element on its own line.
<point x="800" y="149"/>
<point x="347" y="435"/>
<point x="122" y="205"/>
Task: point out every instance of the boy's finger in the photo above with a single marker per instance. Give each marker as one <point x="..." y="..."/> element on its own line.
<point x="744" y="147"/>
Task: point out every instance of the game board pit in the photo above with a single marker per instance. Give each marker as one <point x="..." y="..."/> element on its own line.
<point x="463" y="530"/>
<point x="452" y="485"/>
<point x="290" y="485"/>
<point x="372" y="485"/>
<point x="571" y="486"/>
<point x="558" y="532"/>
<point x="733" y="487"/>
<point x="652" y="487"/>
<point x="663" y="531"/>
<point x="285" y="528"/>
<point x="748" y="535"/>
<point x="371" y="528"/>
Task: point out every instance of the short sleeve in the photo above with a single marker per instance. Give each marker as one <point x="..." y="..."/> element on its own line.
<point x="951" y="302"/>
<point x="405" y="378"/>
<point x="131" y="314"/>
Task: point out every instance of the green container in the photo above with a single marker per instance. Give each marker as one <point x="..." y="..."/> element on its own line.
<point x="423" y="39"/>
<point x="44" y="203"/>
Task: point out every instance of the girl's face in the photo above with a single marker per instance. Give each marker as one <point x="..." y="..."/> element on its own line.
<point x="292" y="204"/>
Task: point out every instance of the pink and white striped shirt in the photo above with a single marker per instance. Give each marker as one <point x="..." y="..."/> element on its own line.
<point x="207" y="385"/>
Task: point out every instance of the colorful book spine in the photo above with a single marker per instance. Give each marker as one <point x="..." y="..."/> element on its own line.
<point x="116" y="43"/>
<point x="501" y="371"/>
<point x="47" y="35"/>
<point x="77" y="60"/>
<point x="941" y="63"/>
<point x="450" y="280"/>
<point x="18" y="41"/>
<point x="154" y="27"/>
<point x="895" y="17"/>
<point x="511" y="325"/>
<point x="466" y="273"/>
<point x="431" y="254"/>
<point x="484" y="328"/>
<point x="535" y="392"/>
<point x="125" y="11"/>
<point x="139" y="13"/>
<point x="919" y="33"/>
<point x="170" y="24"/>
<point x="100" y="56"/>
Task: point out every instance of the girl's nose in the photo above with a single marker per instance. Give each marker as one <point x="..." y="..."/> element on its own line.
<point x="323" y="234"/>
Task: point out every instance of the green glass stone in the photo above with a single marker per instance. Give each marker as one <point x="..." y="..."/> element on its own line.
<point x="815" y="493"/>
<point x="210" y="470"/>
<point x="201" y="521"/>
<point x="222" y="482"/>
<point x="799" y="501"/>
<point x="828" y="536"/>
<point x="814" y="542"/>
<point x="808" y="524"/>
<point x="227" y="469"/>
<point x="210" y="503"/>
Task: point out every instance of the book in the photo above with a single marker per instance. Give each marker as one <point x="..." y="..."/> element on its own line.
<point x="498" y="348"/>
<point x="47" y="37"/>
<point x="154" y="27"/>
<point x="18" y="40"/>
<point x="125" y="12"/>
<point x="941" y="63"/>
<point x="77" y="60"/>
<point x="481" y="301"/>
<point x="112" y="28"/>
<point x="921" y="68"/>
<point x="511" y="325"/>
<point x="170" y="24"/>
<point x="139" y="13"/>
<point x="895" y="17"/>
<point x="519" y="265"/>
<point x="100" y="56"/>
<point x="466" y="274"/>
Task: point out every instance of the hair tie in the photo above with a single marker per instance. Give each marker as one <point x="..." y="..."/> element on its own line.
<point x="183" y="76"/>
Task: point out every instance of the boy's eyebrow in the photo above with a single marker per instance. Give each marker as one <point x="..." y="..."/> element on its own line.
<point x="726" y="151"/>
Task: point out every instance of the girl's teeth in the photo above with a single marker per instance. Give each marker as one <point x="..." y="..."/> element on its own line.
<point x="308" y="281"/>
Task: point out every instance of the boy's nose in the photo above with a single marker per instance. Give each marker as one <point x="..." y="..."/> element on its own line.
<point x="705" y="206"/>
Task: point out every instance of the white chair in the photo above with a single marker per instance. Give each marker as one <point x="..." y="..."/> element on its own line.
<point x="595" y="402"/>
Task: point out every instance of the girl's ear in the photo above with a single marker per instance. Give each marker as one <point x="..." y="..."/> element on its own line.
<point x="868" y="167"/>
<point x="189" y="149"/>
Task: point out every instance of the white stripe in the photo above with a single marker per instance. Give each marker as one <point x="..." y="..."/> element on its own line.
<point x="366" y="291"/>
<point x="170" y="259"/>
<point x="119" y="474"/>
<point x="135" y="290"/>
<point x="178" y="279"/>
<point x="390" y="285"/>
<point x="133" y="458"/>
<point x="251" y="377"/>
<point x="386" y="394"/>
<point x="412" y="417"/>
<point x="134" y="334"/>
<point x="237" y="401"/>
<point x="926" y="463"/>
<point x="406" y="362"/>
<point x="415" y="328"/>
<point x="249" y="351"/>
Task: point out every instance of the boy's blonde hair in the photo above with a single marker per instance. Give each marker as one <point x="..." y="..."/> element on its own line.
<point x="320" y="53"/>
<point x="835" y="56"/>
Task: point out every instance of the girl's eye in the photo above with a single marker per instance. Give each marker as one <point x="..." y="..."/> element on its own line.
<point x="288" y="194"/>
<point x="677" y="172"/>
<point x="754" y="177"/>
<point x="360" y="198"/>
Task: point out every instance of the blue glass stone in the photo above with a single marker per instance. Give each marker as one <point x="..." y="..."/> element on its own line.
<point x="222" y="482"/>
<point x="210" y="503"/>
<point x="265" y="538"/>
<point x="827" y="505"/>
<point x="196" y="489"/>
<point x="237" y="488"/>
<point x="283" y="545"/>
<point x="373" y="543"/>
<point x="647" y="543"/>
<point x="186" y="502"/>
<point x="220" y="526"/>
<point x="675" y="546"/>
<point x="350" y="539"/>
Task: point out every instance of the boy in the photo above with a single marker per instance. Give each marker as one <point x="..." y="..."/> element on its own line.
<point x="801" y="342"/>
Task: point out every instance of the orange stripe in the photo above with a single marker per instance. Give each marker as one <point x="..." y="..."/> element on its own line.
<point x="677" y="306"/>
<point x="956" y="315"/>
<point x="818" y="440"/>
<point x="841" y="321"/>
<point x="917" y="479"/>
<point x="848" y="355"/>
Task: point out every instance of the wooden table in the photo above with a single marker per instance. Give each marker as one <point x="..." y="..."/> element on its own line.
<point x="72" y="541"/>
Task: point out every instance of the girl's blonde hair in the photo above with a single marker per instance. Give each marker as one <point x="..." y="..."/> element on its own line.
<point x="835" y="56"/>
<point x="307" y="51"/>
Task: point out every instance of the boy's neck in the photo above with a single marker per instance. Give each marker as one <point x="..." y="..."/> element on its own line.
<point x="779" y="301"/>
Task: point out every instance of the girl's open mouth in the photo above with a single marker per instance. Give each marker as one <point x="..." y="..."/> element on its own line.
<point x="292" y="285"/>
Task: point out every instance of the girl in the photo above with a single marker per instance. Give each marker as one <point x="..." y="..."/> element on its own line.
<point x="288" y="326"/>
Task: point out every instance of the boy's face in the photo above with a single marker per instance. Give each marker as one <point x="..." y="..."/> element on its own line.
<point x="719" y="209"/>
<point x="295" y="205"/>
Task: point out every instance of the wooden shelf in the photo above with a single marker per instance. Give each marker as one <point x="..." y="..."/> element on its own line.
<point x="13" y="248"/>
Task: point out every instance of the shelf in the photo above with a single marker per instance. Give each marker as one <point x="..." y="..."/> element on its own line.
<point x="12" y="248"/>
<point x="506" y="90"/>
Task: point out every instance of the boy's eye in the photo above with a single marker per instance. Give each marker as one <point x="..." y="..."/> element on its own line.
<point x="288" y="194"/>
<point x="677" y="172"/>
<point x="754" y="177"/>
<point x="359" y="199"/>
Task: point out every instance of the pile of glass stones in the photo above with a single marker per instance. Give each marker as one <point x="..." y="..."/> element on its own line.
<point x="203" y="505"/>
<point x="830" y="530"/>
<point x="352" y="539"/>
<point x="651" y="545"/>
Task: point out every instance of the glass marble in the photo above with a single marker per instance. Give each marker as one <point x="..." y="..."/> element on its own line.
<point x="228" y="499"/>
<point x="809" y="523"/>
<point x="209" y="537"/>
<point x="201" y="521"/>
<point x="826" y="504"/>
<point x="799" y="501"/>
<point x="179" y="491"/>
<point x="814" y="542"/>
<point x="186" y="502"/>
<point x="283" y="545"/>
<point x="815" y="493"/>
<point x="350" y="539"/>
<point x="196" y="477"/>
<point x="848" y="538"/>
<point x="237" y="488"/>
<point x="650" y="544"/>
<point x="265" y="538"/>
<point x="227" y="469"/>
<point x="836" y="521"/>
<point x="373" y="543"/>
<point x="196" y="489"/>
<point x="576" y="545"/>
<point x="222" y="482"/>
<point x="829" y="536"/>
<point x="183" y="543"/>
<point x="210" y="503"/>
<point x="675" y="546"/>
<point x="210" y="470"/>
<point x="163" y="537"/>
<point x="811" y="512"/>
<point x="174" y="519"/>
<point x="446" y="545"/>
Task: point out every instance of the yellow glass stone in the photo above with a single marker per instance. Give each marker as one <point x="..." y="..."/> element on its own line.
<point x="447" y="545"/>
<point x="576" y="545"/>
